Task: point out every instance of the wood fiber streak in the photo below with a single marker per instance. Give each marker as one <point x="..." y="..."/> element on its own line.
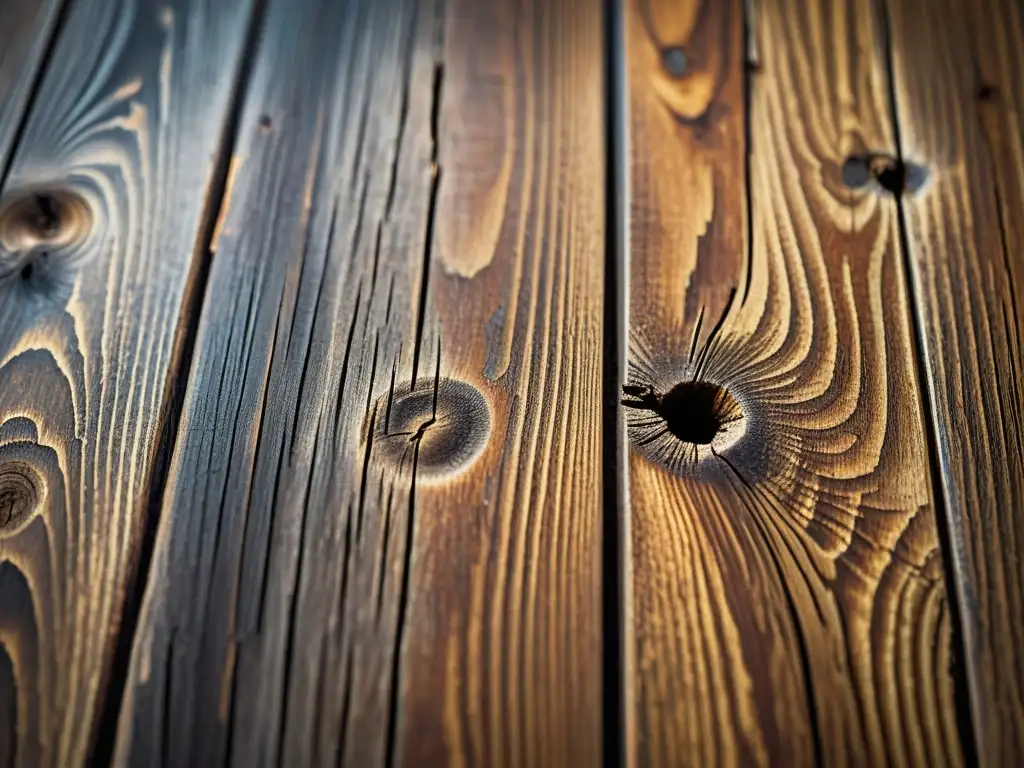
<point x="98" y="223"/>
<point x="25" y="30"/>
<point x="959" y="87"/>
<point x="788" y="599"/>
<point x="380" y="543"/>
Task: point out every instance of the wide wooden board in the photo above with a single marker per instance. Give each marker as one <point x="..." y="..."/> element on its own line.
<point x="381" y="538"/>
<point x="99" y="219"/>
<point x="788" y="600"/>
<point x="958" y="74"/>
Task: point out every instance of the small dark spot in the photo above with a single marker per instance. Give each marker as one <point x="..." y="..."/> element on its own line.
<point x="265" y="122"/>
<point x="19" y="494"/>
<point x="890" y="173"/>
<point x="26" y="272"/>
<point x="856" y="173"/>
<point x="48" y="214"/>
<point x="675" y="61"/>
<point x="986" y="92"/>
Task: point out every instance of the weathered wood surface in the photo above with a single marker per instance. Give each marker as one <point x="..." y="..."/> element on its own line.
<point x="788" y="600"/>
<point x="98" y="224"/>
<point x="959" y="87"/>
<point x="26" y="27"/>
<point x="381" y="538"/>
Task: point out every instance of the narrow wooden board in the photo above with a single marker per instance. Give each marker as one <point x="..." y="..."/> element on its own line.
<point x="788" y="600"/>
<point x="25" y="31"/>
<point x="381" y="540"/>
<point x="959" y="87"/>
<point x="98" y="226"/>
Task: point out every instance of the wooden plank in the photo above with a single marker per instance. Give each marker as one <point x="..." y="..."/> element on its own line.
<point x="99" y="221"/>
<point x="788" y="599"/>
<point x="381" y="542"/>
<point x="25" y="30"/>
<point x="958" y="72"/>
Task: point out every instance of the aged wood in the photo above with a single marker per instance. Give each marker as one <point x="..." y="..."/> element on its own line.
<point x="98" y="223"/>
<point x="788" y="600"/>
<point x="381" y="538"/>
<point x="26" y="27"/>
<point x="958" y="73"/>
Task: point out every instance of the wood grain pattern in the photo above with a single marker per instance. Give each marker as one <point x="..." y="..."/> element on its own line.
<point x="98" y="226"/>
<point x="788" y="600"/>
<point x="381" y="540"/>
<point x="25" y="30"/>
<point x="958" y="72"/>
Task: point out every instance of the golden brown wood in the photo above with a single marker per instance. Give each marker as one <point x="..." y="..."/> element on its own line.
<point x="25" y="30"/>
<point x="788" y="601"/>
<point x="98" y="226"/>
<point x="959" y="85"/>
<point x="381" y="537"/>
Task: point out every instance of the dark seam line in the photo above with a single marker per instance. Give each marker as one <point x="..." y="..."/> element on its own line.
<point x="612" y="458"/>
<point x="750" y="65"/>
<point x="33" y="92"/>
<point x="944" y="521"/>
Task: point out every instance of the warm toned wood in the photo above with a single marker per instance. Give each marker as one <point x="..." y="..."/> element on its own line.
<point x="98" y="228"/>
<point x="959" y="86"/>
<point x="347" y="572"/>
<point x="25" y="30"/>
<point x="788" y="599"/>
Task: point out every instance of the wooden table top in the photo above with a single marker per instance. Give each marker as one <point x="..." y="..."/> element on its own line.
<point x="511" y="383"/>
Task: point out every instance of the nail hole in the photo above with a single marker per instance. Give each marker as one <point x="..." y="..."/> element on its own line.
<point x="19" y="494"/>
<point x="26" y="272"/>
<point x="265" y="122"/>
<point x="675" y="61"/>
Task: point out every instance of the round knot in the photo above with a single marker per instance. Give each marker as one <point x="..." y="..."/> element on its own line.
<point x="19" y="495"/>
<point x="44" y="219"/>
<point x="443" y="427"/>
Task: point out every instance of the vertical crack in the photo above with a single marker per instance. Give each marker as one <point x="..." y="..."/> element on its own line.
<point x="428" y="242"/>
<point x="751" y="63"/>
<point x="391" y="748"/>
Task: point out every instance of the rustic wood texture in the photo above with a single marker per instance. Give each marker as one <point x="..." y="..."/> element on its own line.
<point x="958" y="73"/>
<point x="98" y="223"/>
<point x="381" y="539"/>
<point x="25" y="30"/>
<point x="788" y="600"/>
